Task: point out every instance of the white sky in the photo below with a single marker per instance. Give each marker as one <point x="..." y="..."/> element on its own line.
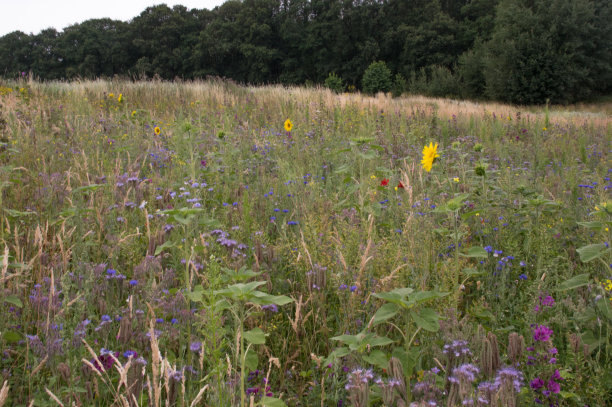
<point x="32" y="16"/>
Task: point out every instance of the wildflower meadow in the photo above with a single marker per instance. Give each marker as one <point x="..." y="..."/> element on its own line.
<point x="209" y="244"/>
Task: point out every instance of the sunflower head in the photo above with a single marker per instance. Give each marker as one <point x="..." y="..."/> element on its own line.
<point x="288" y="125"/>
<point x="430" y="153"/>
<point x="157" y="130"/>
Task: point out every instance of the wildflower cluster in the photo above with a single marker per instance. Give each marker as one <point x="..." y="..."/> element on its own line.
<point x="542" y="358"/>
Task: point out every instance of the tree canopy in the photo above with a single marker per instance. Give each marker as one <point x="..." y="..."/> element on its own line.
<point x="520" y="51"/>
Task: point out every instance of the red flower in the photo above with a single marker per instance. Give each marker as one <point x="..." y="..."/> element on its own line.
<point x="400" y="185"/>
<point x="384" y="182"/>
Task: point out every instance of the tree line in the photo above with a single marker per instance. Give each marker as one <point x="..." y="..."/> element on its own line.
<point x="519" y="51"/>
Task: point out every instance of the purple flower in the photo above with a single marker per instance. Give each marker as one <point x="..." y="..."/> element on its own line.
<point x="553" y="386"/>
<point x="229" y="243"/>
<point x="271" y="307"/>
<point x="511" y="375"/>
<point x="542" y="333"/>
<point x="457" y="348"/>
<point x="536" y="383"/>
<point x="195" y="346"/>
<point x="548" y="301"/>
<point x="467" y="372"/>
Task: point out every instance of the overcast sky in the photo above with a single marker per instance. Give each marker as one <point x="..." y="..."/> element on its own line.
<point x="32" y="16"/>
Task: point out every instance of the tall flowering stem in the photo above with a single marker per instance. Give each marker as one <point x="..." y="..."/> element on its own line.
<point x="542" y="356"/>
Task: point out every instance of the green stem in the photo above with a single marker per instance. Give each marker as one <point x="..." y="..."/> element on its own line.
<point x="456" y="274"/>
<point x="242" y="359"/>
<point x="413" y="337"/>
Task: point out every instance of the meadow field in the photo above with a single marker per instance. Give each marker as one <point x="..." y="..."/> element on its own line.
<point x="208" y="244"/>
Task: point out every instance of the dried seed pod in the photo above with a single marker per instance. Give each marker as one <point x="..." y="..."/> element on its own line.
<point x="495" y="361"/>
<point x="397" y="372"/>
<point x="516" y="348"/>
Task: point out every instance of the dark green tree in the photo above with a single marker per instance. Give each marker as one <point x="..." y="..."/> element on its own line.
<point x="545" y="49"/>
<point x="377" y="78"/>
<point x="15" y="53"/>
<point x="96" y="48"/>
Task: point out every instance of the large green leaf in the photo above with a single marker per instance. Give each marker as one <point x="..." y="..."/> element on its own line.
<point x="574" y="282"/>
<point x="336" y="354"/>
<point x="395" y="296"/>
<point x="426" y="319"/>
<point x="164" y="246"/>
<point x="375" y="340"/>
<point x="377" y="358"/>
<point x="592" y="251"/>
<point x="604" y="307"/>
<point x="476" y="251"/>
<point x="255" y="336"/>
<point x="387" y="311"/>
<point x="592" y="340"/>
<point x="353" y="341"/>
<point x="14" y="300"/>
<point x="11" y="336"/>
<point x="272" y="402"/>
<point x="251" y="360"/>
<point x="408" y="358"/>
<point x="262" y="298"/>
<point x="594" y="225"/>
<point x="240" y="291"/>
<point x="241" y="274"/>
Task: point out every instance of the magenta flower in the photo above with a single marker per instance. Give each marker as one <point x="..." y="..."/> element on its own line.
<point x="553" y="386"/>
<point x="542" y="333"/>
<point x="537" y="383"/>
<point x="548" y="301"/>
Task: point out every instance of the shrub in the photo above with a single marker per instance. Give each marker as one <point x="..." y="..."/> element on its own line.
<point x="334" y="83"/>
<point x="399" y="85"/>
<point x="377" y="78"/>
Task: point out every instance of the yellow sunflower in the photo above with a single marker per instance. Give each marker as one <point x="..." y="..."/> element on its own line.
<point x="430" y="153"/>
<point x="157" y="130"/>
<point x="288" y="125"/>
